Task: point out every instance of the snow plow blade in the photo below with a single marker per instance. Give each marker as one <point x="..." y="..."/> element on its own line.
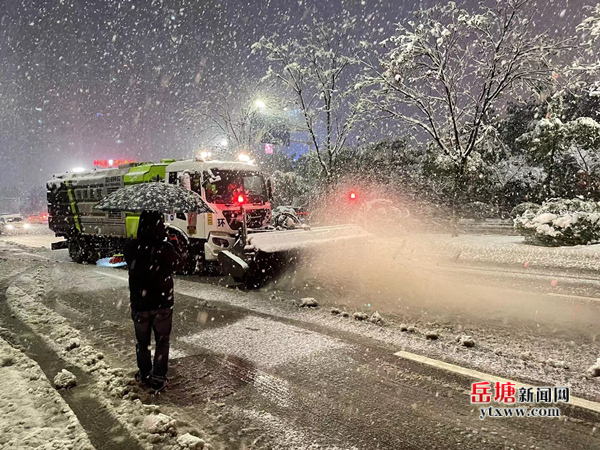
<point x="233" y="265"/>
<point x="266" y="253"/>
<point x="300" y="239"/>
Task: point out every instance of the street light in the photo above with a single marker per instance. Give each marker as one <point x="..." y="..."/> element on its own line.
<point x="224" y="142"/>
<point x="204" y="155"/>
<point x="260" y="104"/>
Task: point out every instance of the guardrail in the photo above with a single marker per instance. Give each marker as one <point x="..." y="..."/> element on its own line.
<point x="487" y="226"/>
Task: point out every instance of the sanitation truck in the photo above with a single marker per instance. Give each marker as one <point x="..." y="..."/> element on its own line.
<point x="238" y="238"/>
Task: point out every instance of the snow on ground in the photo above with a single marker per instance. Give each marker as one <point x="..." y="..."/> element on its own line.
<point x="500" y="250"/>
<point x="259" y="347"/>
<point x="37" y="236"/>
<point x="286" y="435"/>
<point x="496" y="353"/>
<point x="116" y="389"/>
<point x="33" y="415"/>
<point x="507" y="361"/>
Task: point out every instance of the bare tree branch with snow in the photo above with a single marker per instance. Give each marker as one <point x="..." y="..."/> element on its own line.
<point x="321" y="70"/>
<point x="449" y="70"/>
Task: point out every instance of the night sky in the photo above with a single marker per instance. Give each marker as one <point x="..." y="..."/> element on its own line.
<point x="83" y="80"/>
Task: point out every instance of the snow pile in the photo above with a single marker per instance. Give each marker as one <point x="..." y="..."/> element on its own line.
<point x="285" y="217"/>
<point x="521" y="208"/>
<point x="65" y="379"/>
<point x="561" y="222"/>
<point x="309" y="302"/>
<point x="595" y="369"/>
<point x="557" y="364"/>
<point x="360" y="315"/>
<point x="190" y="442"/>
<point x="33" y="414"/>
<point x="466" y="341"/>
<point x="159" y="424"/>
<point x="432" y="336"/>
<point x="376" y="318"/>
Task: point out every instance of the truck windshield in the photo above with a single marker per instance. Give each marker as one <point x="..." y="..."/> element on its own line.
<point x="233" y="183"/>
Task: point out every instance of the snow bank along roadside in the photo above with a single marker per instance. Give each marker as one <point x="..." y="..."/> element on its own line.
<point x="32" y="412"/>
<point x="117" y="391"/>
<point x="502" y="251"/>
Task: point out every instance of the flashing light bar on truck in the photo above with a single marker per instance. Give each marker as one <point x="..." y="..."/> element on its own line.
<point x="106" y="163"/>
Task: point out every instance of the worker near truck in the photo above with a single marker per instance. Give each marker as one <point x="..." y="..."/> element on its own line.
<point x="151" y="262"/>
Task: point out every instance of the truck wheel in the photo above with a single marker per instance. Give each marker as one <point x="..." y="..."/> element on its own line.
<point x="75" y="251"/>
<point x="91" y="256"/>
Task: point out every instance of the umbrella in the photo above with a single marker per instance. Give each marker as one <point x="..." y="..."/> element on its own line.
<point x="154" y="196"/>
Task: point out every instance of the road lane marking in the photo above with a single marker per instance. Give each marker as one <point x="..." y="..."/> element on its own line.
<point x="574" y="401"/>
<point x="579" y="297"/>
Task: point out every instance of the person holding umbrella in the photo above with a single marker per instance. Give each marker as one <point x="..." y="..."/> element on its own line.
<point x="151" y="261"/>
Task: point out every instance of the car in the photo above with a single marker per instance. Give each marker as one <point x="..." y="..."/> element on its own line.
<point x="38" y="218"/>
<point x="13" y="223"/>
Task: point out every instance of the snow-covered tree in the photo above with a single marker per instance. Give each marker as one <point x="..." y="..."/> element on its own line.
<point x="560" y="221"/>
<point x="587" y="62"/>
<point x="546" y="143"/>
<point x="321" y="70"/>
<point x="591" y="25"/>
<point x="584" y="135"/>
<point x="289" y="189"/>
<point x="569" y="153"/>
<point x="449" y="69"/>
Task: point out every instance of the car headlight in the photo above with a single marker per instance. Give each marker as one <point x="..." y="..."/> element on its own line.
<point x="10" y="227"/>
<point x="26" y="226"/>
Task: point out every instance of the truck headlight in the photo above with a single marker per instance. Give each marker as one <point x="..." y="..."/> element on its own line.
<point x="26" y="226"/>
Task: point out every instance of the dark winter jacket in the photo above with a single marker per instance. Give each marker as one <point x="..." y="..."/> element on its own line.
<point x="151" y="262"/>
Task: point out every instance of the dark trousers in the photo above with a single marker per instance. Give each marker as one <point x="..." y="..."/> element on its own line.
<point x="144" y="322"/>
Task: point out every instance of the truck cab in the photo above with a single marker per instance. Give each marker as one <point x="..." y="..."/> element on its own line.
<point x="231" y="189"/>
